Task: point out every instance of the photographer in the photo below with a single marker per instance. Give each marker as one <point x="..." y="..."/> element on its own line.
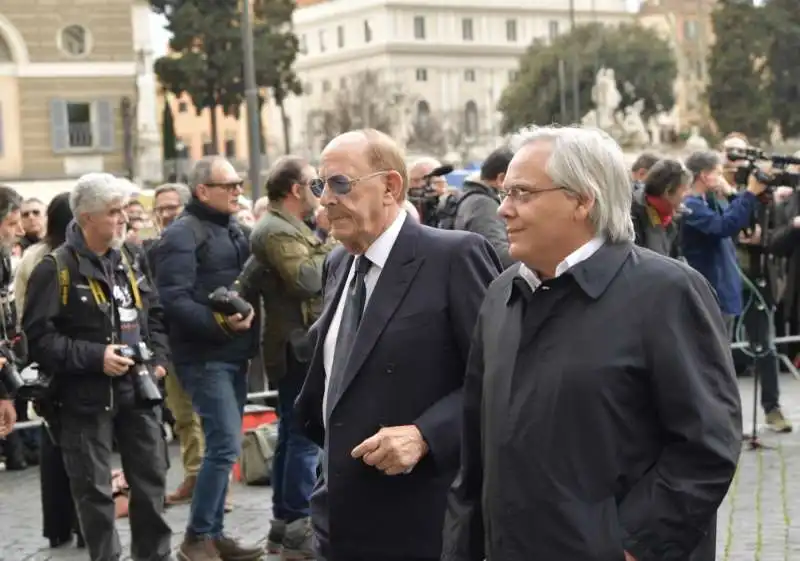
<point x="87" y="304"/>
<point x="427" y="188"/>
<point x="655" y="204"/>
<point x="10" y="231"/>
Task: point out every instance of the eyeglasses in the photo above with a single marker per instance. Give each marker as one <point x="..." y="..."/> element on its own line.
<point x="339" y="184"/>
<point x="520" y="195"/>
<point x="29" y="213"/>
<point x="230" y="186"/>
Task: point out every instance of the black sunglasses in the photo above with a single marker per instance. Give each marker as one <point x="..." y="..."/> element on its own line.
<point x="339" y="184"/>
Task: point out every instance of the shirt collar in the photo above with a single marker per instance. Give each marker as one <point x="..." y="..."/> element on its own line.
<point x="379" y="251"/>
<point x="583" y="253"/>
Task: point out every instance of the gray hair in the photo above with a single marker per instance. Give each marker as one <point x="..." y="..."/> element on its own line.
<point x="94" y="192"/>
<point x="184" y="195"/>
<point x="703" y="160"/>
<point x="203" y="171"/>
<point x="590" y="164"/>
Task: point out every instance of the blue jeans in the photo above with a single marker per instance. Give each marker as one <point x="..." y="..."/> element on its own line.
<point x="218" y="391"/>
<point x="294" y="467"/>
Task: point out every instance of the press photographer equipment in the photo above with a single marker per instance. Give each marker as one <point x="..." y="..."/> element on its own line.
<point x="778" y="176"/>
<point x="228" y="302"/>
<point x="426" y="198"/>
<point x="145" y="387"/>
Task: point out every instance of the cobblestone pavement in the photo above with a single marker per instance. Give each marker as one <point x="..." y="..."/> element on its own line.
<point x="759" y="521"/>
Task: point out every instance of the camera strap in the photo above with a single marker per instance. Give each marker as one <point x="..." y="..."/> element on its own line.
<point x="97" y="291"/>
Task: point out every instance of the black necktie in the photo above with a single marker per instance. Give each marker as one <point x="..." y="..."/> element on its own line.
<point x="355" y="297"/>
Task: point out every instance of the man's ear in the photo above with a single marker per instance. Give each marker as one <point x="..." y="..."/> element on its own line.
<point x="394" y="185"/>
<point x="501" y="177"/>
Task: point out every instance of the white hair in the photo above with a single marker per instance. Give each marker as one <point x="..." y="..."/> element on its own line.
<point x="590" y="164"/>
<point x="94" y="192"/>
<point x="426" y="161"/>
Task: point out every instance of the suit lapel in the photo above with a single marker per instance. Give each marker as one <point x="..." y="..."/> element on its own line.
<point x="393" y="283"/>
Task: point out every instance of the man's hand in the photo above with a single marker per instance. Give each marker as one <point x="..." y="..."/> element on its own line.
<point x="629" y="557"/>
<point x="8" y="416"/>
<point x="113" y="364"/>
<point x="755" y="186"/>
<point x="160" y="372"/>
<point x="393" y="450"/>
<point x="753" y="239"/>
<point x="237" y="323"/>
<point x="782" y="194"/>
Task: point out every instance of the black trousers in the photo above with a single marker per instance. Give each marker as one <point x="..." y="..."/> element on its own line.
<point x="86" y="446"/>
<point x="59" y="520"/>
<point x="756" y="324"/>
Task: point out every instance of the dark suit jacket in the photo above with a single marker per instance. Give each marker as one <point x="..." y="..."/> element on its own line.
<point x="407" y="367"/>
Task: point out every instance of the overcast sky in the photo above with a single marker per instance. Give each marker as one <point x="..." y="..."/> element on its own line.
<point x="161" y="35"/>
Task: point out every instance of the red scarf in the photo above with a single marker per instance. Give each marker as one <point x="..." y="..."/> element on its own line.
<point x="662" y="208"/>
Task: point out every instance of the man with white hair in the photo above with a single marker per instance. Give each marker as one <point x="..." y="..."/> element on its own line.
<point x="602" y="417"/>
<point x="87" y="303"/>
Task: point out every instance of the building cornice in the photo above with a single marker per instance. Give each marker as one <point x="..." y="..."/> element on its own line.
<point x="69" y="70"/>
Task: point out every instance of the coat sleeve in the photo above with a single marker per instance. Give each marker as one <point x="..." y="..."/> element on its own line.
<point x="696" y="397"/>
<point x="473" y="267"/>
<point x="156" y="326"/>
<point x="54" y="352"/>
<point x="175" y="263"/>
<point x="463" y="538"/>
<point x="735" y="216"/>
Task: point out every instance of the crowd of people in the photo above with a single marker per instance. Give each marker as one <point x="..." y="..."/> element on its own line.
<point x="431" y="401"/>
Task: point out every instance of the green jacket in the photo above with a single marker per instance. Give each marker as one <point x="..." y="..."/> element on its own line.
<point x="288" y="259"/>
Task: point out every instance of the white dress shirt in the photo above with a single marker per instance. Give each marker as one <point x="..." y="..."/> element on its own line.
<point x="583" y="253"/>
<point x="378" y="254"/>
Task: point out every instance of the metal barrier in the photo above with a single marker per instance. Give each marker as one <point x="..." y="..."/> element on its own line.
<point x="255" y="395"/>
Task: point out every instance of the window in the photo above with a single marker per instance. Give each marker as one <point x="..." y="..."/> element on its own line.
<point x="230" y="148"/>
<point x="466" y="29"/>
<point x="469" y="75"/>
<point x="183" y="107"/>
<point x="419" y="27"/>
<point x="303" y="47"/>
<point x="308" y="88"/>
<point x="513" y="75"/>
<point x="5" y="51"/>
<point x="80" y="126"/>
<point x="423" y="112"/>
<point x="552" y="29"/>
<point x="322" y="40"/>
<point x="690" y="29"/>
<point x="326" y="86"/>
<point x="471" y="119"/>
<point x="422" y="75"/>
<point x="74" y="40"/>
<point x="511" y="30"/>
<point x="367" y="32"/>
<point x="340" y="36"/>
<point x="208" y="148"/>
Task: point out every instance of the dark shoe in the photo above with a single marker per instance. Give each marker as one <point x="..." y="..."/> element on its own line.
<point x="16" y="464"/>
<point x="297" y="541"/>
<point x="277" y="531"/>
<point x="198" y="549"/>
<point x="60" y="541"/>
<point x="231" y="550"/>
<point x="183" y="494"/>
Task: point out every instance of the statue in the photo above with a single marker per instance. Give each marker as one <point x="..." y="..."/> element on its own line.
<point x="590" y="119"/>
<point x="655" y="131"/>
<point x="695" y="142"/>
<point x="633" y="126"/>
<point x="606" y="98"/>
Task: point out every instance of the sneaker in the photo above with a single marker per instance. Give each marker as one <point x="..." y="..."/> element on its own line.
<point x="198" y="549"/>
<point x="777" y="422"/>
<point x="183" y="494"/>
<point x="277" y="531"/>
<point x="297" y="541"/>
<point x="231" y="550"/>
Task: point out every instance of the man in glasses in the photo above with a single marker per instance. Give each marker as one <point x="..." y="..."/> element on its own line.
<point x="33" y="222"/>
<point x="383" y="390"/>
<point x="202" y="250"/>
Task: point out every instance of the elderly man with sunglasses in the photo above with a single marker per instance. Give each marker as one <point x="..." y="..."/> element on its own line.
<point x="202" y="250"/>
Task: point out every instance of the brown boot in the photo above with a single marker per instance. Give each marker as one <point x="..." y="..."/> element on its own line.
<point x="198" y="549"/>
<point x="183" y="494"/>
<point x="231" y="550"/>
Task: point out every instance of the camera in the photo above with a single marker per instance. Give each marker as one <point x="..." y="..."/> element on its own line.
<point x="426" y="198"/>
<point x="145" y="387"/>
<point x="228" y="302"/>
<point x="778" y="178"/>
<point x="10" y="377"/>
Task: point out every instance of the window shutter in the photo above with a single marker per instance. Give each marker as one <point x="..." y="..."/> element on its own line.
<point x="105" y="126"/>
<point x="59" y="126"/>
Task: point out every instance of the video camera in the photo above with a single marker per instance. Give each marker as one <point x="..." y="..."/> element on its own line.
<point x="228" y="302"/>
<point x="780" y="177"/>
<point x="427" y="194"/>
<point x="145" y="387"/>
